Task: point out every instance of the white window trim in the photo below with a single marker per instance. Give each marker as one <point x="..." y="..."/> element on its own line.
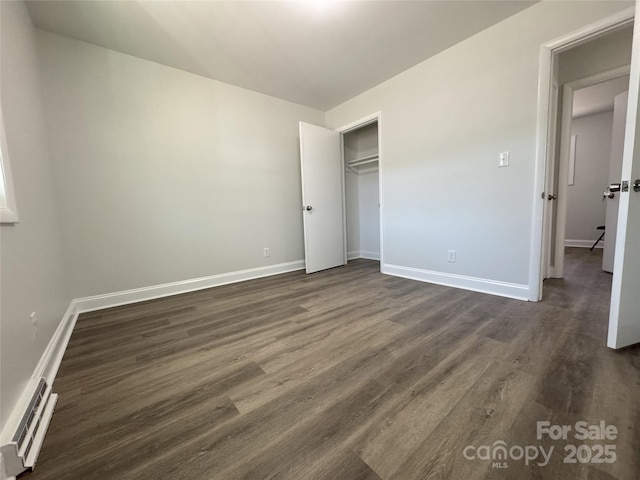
<point x="8" y="212"/>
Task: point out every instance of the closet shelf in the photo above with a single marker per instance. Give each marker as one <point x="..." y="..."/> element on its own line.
<point x="363" y="161"/>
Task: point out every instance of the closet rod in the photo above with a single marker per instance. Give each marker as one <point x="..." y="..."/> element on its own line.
<point x="363" y="160"/>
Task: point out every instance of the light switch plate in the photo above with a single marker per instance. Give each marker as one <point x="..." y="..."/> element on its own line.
<point x="504" y="159"/>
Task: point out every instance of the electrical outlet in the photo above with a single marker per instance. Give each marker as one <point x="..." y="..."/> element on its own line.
<point x="34" y="324"/>
<point x="451" y="256"/>
<point x="267" y="253"/>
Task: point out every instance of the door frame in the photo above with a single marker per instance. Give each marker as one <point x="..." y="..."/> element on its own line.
<point x="374" y="117"/>
<point x="548" y="51"/>
<point x="550" y="179"/>
<point x="563" y="160"/>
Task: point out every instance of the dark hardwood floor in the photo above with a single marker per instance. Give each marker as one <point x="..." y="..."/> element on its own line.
<point x="346" y="374"/>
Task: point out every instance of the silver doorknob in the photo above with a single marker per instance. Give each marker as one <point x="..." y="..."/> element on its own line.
<point x="636" y="185"/>
<point x="610" y="191"/>
<point x="552" y="197"/>
<point x="308" y="208"/>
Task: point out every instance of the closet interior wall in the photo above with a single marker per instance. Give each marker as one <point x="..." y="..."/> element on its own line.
<point x="362" y="192"/>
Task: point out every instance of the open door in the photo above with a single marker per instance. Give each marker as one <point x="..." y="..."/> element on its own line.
<point x="615" y="171"/>
<point x="322" y="197"/>
<point x="624" y="316"/>
<point x="551" y="188"/>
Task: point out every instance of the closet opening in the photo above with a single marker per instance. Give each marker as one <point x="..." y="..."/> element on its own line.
<point x="360" y="153"/>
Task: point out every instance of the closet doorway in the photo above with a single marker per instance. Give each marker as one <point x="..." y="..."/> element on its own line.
<point x="341" y="199"/>
<point x="361" y="160"/>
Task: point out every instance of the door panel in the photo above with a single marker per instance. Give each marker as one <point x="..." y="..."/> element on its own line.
<point x="615" y="172"/>
<point x="550" y="186"/>
<point x="624" y="317"/>
<point x="322" y="192"/>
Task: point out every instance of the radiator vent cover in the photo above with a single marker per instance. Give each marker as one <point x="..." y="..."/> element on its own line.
<point x="21" y="453"/>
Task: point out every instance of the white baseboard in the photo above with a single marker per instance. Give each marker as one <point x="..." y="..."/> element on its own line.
<point x="363" y="254"/>
<point x="51" y="359"/>
<point x="483" y="285"/>
<point x="47" y="367"/>
<point x="98" y="302"/>
<point x="582" y="243"/>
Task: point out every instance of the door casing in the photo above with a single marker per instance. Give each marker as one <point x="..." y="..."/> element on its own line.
<point x="624" y="317"/>
<point x="538" y="260"/>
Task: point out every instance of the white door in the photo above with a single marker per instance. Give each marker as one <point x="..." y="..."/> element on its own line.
<point x="615" y="172"/>
<point x="322" y="191"/>
<point x="624" y="317"/>
<point x="548" y="252"/>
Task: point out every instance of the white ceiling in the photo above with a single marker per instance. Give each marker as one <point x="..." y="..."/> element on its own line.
<point x="598" y="98"/>
<point x="315" y="52"/>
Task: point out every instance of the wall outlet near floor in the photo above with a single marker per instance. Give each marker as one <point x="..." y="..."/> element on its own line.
<point x="267" y="253"/>
<point x="34" y="324"/>
<point x="451" y="256"/>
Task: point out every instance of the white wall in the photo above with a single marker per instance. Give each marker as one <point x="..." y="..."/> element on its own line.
<point x="369" y="194"/>
<point x="598" y="98"/>
<point x="165" y="175"/>
<point x="369" y="197"/>
<point x="352" y="196"/>
<point x="444" y="123"/>
<point x="599" y="55"/>
<point x="32" y="272"/>
<point x="367" y="140"/>
<point x="352" y="209"/>
<point x="585" y="208"/>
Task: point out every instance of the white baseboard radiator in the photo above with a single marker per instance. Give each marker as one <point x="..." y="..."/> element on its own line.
<point x="21" y="451"/>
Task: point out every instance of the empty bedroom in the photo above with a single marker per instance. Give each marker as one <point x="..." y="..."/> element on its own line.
<point x="309" y="239"/>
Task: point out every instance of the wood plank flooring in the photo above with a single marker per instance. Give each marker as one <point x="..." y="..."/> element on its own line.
<point x="346" y="374"/>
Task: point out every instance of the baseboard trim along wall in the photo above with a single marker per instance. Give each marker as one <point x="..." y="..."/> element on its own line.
<point x="353" y="255"/>
<point x="98" y="302"/>
<point x="363" y="254"/>
<point x="51" y="359"/>
<point x="583" y="243"/>
<point x="483" y="285"/>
